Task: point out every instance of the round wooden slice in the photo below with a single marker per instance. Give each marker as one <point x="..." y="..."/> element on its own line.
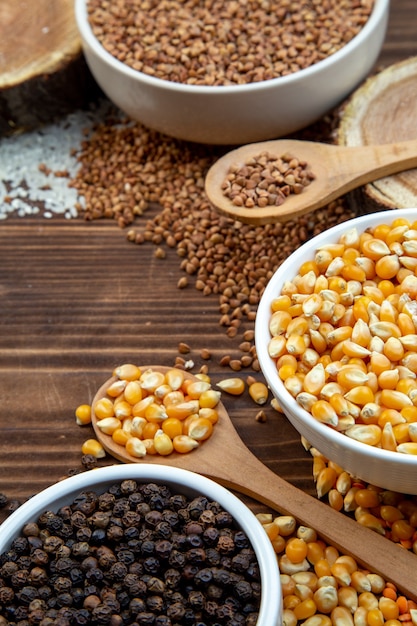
<point x="384" y="110"/>
<point x="43" y="73"/>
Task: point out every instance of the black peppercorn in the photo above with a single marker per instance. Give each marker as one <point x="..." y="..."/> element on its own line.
<point x="137" y="554"/>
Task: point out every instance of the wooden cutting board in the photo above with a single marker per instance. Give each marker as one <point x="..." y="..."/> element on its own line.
<point x="384" y="110"/>
<point x="42" y="69"/>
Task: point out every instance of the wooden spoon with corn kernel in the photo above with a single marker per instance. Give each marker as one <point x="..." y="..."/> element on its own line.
<point x="337" y="170"/>
<point x="226" y="459"/>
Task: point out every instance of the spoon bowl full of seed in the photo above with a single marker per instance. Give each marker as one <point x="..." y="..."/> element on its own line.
<point x="278" y="180"/>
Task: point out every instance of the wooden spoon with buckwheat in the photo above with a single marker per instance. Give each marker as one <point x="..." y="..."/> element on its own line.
<point x="317" y="174"/>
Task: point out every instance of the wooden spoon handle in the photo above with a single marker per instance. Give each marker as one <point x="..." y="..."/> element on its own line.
<point x="373" y="551"/>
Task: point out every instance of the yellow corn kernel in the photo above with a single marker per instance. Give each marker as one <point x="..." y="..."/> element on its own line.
<point x="174" y="378"/>
<point x="335" y="499"/>
<point x="375" y="248"/>
<point x="387" y="312"/>
<point x="370" y="413"/>
<point x="314" y="380"/>
<point x="348" y="598"/>
<point x="318" y="341"/>
<point x="405" y="324"/>
<point x="184" y="409"/>
<point x="122" y="409"/>
<point x="388" y="266"/>
<point x="341" y="573"/>
<point x="389" y="379"/>
<point x="151" y="379"/>
<point x="350" y="376"/>
<point x="388" y="441"/>
<point x="389" y="608"/>
<point x="294" y="385"/>
<point x="408" y="447"/>
<point x="323" y="412"/>
<point x="200" y="429"/>
<point x="127" y="371"/>
<point x="401" y="432"/>
<point x="379" y="362"/>
<point x="139" y="409"/>
<point x="384" y="330"/>
<point x="196" y="388"/>
<point x="280" y="303"/>
<point x="394" y="348"/>
<point x="279" y="322"/>
<point x="295" y="344"/>
<point x="286" y="524"/>
<point x="209" y="399"/>
<point x="108" y="425"/>
<point x="258" y="391"/>
<point x="409" y="413"/>
<point x="135" y="447"/>
<point x="341" y="616"/>
<point x="285" y="371"/>
<point x="277" y="346"/>
<point x="394" y="399"/>
<point x="116" y="388"/>
<point x="133" y="392"/>
<point x="325" y="481"/>
<point x="210" y="414"/>
<point x="162" y="391"/>
<point x="325" y="598"/>
<point x="375" y="617"/>
<point x="360" y="395"/>
<point x="163" y="443"/>
<point x="172" y="427"/>
<point x="234" y="386"/>
<point x="83" y="414"/>
<point x="120" y="436"/>
<point x="305" y="609"/>
<point x="360" y="308"/>
<point x="312" y="304"/>
<point x="149" y="430"/>
<point x="339" y="403"/>
<point x="353" y="271"/>
<point x="93" y="447"/>
<point x="103" y="408"/>
<point x="156" y="412"/>
<point x="369" y="434"/>
<point x="370" y="521"/>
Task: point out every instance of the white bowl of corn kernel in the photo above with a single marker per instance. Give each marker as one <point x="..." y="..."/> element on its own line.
<point x="216" y="73"/>
<point x="76" y="501"/>
<point x="336" y="340"/>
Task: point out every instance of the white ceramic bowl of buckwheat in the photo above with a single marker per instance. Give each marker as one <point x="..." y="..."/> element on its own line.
<point x="179" y="481"/>
<point x="259" y="95"/>
<point x="379" y="382"/>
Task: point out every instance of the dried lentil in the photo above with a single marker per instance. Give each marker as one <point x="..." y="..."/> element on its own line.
<point x="136" y="562"/>
<point x="266" y="180"/>
<point x="224" y="43"/>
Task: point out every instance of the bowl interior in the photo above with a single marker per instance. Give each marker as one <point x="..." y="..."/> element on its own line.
<point x="378" y="466"/>
<point x="181" y="481"/>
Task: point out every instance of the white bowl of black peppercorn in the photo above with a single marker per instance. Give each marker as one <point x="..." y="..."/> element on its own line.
<point x="128" y="541"/>
<point x="228" y="72"/>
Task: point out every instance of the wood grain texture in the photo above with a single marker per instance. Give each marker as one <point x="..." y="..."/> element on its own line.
<point x="43" y="73"/>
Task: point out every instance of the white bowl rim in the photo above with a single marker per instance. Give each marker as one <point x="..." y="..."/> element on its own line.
<point x="267" y="364"/>
<point x="147" y="472"/>
<point x="378" y="11"/>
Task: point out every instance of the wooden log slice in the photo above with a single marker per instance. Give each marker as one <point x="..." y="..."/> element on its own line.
<point x="43" y="73"/>
<point x="384" y="110"/>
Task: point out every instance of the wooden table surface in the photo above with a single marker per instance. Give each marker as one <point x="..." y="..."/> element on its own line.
<point x="77" y="299"/>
